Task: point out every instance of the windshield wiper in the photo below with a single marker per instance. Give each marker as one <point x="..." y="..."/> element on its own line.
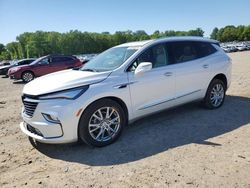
<point x="90" y="70"/>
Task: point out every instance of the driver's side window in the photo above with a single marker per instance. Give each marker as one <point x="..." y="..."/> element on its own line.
<point x="157" y="55"/>
<point x="44" y="61"/>
<point x="144" y="57"/>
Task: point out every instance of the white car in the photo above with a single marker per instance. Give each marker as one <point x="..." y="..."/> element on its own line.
<point x="122" y="84"/>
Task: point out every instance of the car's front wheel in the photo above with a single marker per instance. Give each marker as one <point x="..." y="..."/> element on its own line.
<point x="215" y="95"/>
<point x="101" y="123"/>
<point x="27" y="76"/>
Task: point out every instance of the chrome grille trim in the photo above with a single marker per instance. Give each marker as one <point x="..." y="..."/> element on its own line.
<point x="29" y="106"/>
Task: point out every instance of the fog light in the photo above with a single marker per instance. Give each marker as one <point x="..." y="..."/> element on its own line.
<point x="51" y="118"/>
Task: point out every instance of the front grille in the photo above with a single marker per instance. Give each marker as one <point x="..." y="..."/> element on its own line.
<point x="29" y="107"/>
<point x="34" y="130"/>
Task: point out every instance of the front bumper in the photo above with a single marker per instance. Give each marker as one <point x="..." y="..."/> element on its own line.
<point x="2" y="72"/>
<point x="46" y="131"/>
<point x="37" y="136"/>
<point x="14" y="77"/>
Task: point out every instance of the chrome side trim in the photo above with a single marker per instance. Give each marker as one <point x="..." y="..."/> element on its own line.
<point x="120" y="86"/>
<point x="188" y="94"/>
<point x="152" y="105"/>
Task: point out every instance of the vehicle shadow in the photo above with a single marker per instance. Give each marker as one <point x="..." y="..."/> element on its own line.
<point x="19" y="82"/>
<point x="157" y="133"/>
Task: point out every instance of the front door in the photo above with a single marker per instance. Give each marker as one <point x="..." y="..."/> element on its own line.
<point x="153" y="90"/>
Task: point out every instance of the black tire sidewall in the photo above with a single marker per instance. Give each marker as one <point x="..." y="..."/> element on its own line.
<point x="207" y="101"/>
<point x="83" y="131"/>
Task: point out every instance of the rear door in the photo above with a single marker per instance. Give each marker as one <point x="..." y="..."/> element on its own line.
<point x="193" y="70"/>
<point x="70" y="62"/>
<point x="61" y="63"/>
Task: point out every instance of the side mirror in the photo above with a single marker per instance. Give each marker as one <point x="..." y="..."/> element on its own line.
<point x="143" y="67"/>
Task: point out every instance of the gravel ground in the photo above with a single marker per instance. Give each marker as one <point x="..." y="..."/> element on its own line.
<point x="183" y="147"/>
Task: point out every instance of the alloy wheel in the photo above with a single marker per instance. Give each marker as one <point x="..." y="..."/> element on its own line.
<point x="217" y="95"/>
<point x="104" y="124"/>
<point x="27" y="77"/>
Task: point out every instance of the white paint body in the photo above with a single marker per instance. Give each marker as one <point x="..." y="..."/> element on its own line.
<point x="155" y="90"/>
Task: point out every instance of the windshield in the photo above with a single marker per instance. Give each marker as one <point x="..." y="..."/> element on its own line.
<point x="37" y="60"/>
<point x="110" y="59"/>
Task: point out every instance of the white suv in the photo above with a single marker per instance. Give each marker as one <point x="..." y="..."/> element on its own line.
<point x="124" y="83"/>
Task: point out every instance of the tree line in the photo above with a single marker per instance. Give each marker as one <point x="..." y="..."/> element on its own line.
<point x="231" y="33"/>
<point x="39" y="43"/>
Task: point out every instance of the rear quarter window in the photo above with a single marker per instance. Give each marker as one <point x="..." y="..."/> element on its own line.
<point x="204" y="49"/>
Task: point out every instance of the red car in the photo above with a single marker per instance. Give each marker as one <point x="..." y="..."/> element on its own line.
<point x="44" y="65"/>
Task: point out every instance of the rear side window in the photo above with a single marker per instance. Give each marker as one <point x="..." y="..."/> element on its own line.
<point x="67" y="58"/>
<point x="189" y="50"/>
<point x="204" y="49"/>
<point x="183" y="51"/>
<point x="61" y="59"/>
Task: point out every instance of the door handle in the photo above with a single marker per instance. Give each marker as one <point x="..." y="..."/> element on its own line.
<point x="168" y="74"/>
<point x="205" y="66"/>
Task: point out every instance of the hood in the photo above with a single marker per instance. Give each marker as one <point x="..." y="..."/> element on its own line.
<point x="20" y="66"/>
<point x="63" y="80"/>
<point x="5" y="66"/>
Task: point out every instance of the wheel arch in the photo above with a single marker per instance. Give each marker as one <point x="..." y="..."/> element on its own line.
<point x="221" y="77"/>
<point x="114" y="98"/>
<point x="27" y="71"/>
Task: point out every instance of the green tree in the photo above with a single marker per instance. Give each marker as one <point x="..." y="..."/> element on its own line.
<point x="246" y="33"/>
<point x="197" y="32"/>
<point x="4" y="54"/>
<point x="214" y="33"/>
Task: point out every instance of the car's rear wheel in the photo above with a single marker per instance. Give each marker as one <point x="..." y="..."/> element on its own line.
<point x="215" y="95"/>
<point x="101" y="123"/>
<point x="27" y="76"/>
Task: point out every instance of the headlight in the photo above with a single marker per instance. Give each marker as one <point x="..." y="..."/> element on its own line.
<point x="15" y="69"/>
<point x="65" y="94"/>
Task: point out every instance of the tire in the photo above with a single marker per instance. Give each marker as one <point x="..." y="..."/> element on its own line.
<point x="101" y="123"/>
<point x="216" y="92"/>
<point x="27" y="76"/>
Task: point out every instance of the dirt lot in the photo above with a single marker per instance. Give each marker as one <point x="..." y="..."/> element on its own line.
<point x="183" y="147"/>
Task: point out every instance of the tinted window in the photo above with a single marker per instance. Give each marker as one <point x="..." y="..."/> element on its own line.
<point x="204" y="49"/>
<point x="189" y="50"/>
<point x="25" y="62"/>
<point x="57" y="59"/>
<point x="61" y="59"/>
<point x="157" y="55"/>
<point x="67" y="58"/>
<point x="183" y="51"/>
